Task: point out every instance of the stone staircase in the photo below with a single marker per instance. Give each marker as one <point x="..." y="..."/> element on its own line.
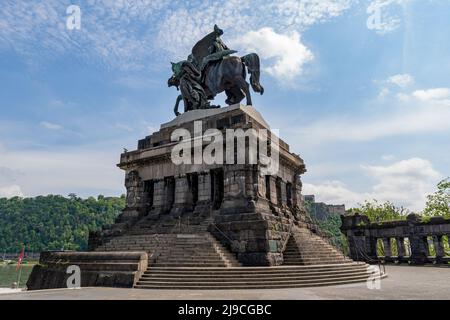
<point x="173" y="242"/>
<point x="184" y="255"/>
<point x="253" y="277"/>
<point x="307" y="248"/>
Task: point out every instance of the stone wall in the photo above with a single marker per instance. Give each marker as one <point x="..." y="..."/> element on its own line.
<point x="98" y="269"/>
<point x="412" y="237"/>
<point x="321" y="211"/>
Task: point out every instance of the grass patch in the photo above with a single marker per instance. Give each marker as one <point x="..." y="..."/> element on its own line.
<point x="8" y="274"/>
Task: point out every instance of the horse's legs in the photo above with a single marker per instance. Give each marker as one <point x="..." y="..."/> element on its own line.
<point x="245" y="88"/>
<point x="177" y="103"/>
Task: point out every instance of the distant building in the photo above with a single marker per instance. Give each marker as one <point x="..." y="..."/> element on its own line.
<point x="320" y="210"/>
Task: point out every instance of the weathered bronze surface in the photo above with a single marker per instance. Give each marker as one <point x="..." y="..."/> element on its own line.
<point x="209" y="70"/>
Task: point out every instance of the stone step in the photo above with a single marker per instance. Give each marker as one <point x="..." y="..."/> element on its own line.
<point x="237" y="286"/>
<point x="257" y="270"/>
<point x="292" y="254"/>
<point x="179" y="264"/>
<point x="247" y="281"/>
<point x="313" y="261"/>
<point x="187" y="260"/>
<point x="192" y="257"/>
<point x="193" y="277"/>
<point x="315" y="258"/>
<point x="200" y="281"/>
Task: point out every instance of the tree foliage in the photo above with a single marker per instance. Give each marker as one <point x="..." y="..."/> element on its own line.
<point x="438" y="204"/>
<point x="54" y="222"/>
<point x="378" y="212"/>
<point x="330" y="227"/>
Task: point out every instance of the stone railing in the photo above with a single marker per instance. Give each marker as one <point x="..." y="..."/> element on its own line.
<point x="417" y="240"/>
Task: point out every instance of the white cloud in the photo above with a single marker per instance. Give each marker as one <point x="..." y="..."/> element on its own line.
<point x="109" y="30"/>
<point x="182" y="27"/>
<point x="122" y="126"/>
<point x="406" y="119"/>
<point x="289" y="54"/>
<point x="51" y="126"/>
<point x="384" y="92"/>
<point x="333" y="192"/>
<point x="401" y="80"/>
<point x="388" y="157"/>
<point x="86" y="170"/>
<point x="432" y="94"/>
<point x="136" y="34"/>
<point x="405" y="183"/>
<point x="11" y="191"/>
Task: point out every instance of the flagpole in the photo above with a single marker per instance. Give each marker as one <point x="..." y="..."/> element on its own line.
<point x="19" y="276"/>
<point x="19" y="265"/>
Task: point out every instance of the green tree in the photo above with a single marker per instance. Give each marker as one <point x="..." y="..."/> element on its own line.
<point x="54" y="222"/>
<point x="378" y="212"/>
<point x="438" y="203"/>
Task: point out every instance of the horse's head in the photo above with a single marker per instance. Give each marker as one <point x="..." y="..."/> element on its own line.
<point x="173" y="82"/>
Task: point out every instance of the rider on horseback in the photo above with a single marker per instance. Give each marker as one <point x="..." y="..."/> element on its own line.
<point x="206" y="73"/>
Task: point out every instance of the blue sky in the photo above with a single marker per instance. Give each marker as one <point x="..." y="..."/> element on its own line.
<point x="360" y="89"/>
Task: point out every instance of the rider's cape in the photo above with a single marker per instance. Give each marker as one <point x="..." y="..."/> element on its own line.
<point x="201" y="48"/>
<point x="201" y="53"/>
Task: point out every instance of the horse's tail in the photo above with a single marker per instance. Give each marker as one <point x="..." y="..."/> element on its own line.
<point x="252" y="62"/>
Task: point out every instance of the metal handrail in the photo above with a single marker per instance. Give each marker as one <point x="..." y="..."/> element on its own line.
<point x="288" y="237"/>
<point x="222" y="233"/>
<point x="380" y="262"/>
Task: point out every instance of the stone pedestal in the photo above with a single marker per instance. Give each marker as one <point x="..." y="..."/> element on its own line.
<point x="252" y="208"/>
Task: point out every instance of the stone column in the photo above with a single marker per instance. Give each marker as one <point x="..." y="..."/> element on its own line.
<point x="297" y="200"/>
<point x="159" y="197"/>
<point x="183" y="201"/>
<point x="387" y="247"/>
<point x="289" y="195"/>
<point x="203" y="206"/>
<point x="438" y="242"/>
<point x="169" y="194"/>
<point x="427" y="245"/>
<point x="135" y="205"/>
<point x="262" y="190"/>
<point x="419" y="249"/>
<point x="400" y="248"/>
<point x="273" y="190"/>
<point x="251" y="182"/>
<point x="283" y="194"/>
<point x="237" y="194"/>
<point x="372" y="247"/>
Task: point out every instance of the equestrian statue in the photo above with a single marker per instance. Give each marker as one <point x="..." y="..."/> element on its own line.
<point x="211" y="69"/>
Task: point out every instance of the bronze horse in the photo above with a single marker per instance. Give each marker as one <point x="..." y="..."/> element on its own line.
<point x="210" y="70"/>
<point x="229" y="75"/>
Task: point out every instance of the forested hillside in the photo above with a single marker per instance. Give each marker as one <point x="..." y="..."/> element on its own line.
<point x="54" y="222"/>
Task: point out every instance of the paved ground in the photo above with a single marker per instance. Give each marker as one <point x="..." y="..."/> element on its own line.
<point x="7" y="290"/>
<point x="403" y="283"/>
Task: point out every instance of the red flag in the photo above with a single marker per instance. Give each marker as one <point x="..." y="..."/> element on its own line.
<point x="20" y="258"/>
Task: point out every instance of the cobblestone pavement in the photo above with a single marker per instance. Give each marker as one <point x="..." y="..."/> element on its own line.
<point x="403" y="282"/>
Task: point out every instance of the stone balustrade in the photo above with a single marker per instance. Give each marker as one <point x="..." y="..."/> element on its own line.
<point x="416" y="240"/>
